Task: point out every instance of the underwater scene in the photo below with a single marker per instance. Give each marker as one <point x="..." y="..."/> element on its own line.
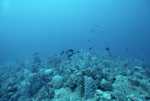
<point x="74" y="50"/>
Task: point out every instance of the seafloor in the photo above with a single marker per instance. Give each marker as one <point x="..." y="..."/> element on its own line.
<point x="76" y="76"/>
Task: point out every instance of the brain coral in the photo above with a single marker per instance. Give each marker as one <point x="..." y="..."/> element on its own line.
<point x="57" y="81"/>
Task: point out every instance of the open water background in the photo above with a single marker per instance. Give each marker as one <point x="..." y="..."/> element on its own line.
<point x="50" y="26"/>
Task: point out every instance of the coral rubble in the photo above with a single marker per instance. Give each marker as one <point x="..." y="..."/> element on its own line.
<point x="81" y="77"/>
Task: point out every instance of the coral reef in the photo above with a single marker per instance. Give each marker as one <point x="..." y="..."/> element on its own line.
<point x="83" y="76"/>
<point x="57" y="81"/>
<point x="89" y="87"/>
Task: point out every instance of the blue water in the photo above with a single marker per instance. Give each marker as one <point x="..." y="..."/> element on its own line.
<point x="50" y="26"/>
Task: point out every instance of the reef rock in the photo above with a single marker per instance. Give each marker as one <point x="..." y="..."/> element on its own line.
<point x="57" y="81"/>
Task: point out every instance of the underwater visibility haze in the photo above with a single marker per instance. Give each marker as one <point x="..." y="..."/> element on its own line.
<point x="49" y="26"/>
<point x="74" y="50"/>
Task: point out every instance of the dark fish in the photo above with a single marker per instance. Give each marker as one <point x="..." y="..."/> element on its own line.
<point x="127" y="49"/>
<point x="88" y="40"/>
<point x="114" y="79"/>
<point x="92" y="30"/>
<point x="90" y="48"/>
<point x="67" y="52"/>
<point x="70" y="50"/>
<point x="62" y="52"/>
<point x="36" y="53"/>
<point x="69" y="55"/>
<point x="107" y="48"/>
<point x="78" y="51"/>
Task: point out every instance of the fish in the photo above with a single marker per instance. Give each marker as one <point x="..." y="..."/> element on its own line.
<point x="78" y="51"/>
<point x="62" y="52"/>
<point x="88" y="40"/>
<point x="127" y="49"/>
<point x="114" y="78"/>
<point x="70" y="50"/>
<point x="92" y="30"/>
<point x="90" y="48"/>
<point x="107" y="48"/>
<point x="36" y="53"/>
<point x="67" y="52"/>
<point x="69" y="55"/>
